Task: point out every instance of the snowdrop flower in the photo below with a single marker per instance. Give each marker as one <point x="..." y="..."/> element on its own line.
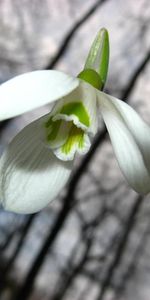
<point x="38" y="162"/>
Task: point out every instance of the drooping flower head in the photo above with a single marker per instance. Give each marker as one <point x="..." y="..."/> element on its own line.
<point x="38" y="162"/>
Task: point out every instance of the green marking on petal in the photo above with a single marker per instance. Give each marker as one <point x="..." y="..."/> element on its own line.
<point x="81" y="142"/>
<point x="77" y="109"/>
<point x="75" y="139"/>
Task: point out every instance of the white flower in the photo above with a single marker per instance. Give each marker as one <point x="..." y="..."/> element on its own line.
<point x="38" y="162"/>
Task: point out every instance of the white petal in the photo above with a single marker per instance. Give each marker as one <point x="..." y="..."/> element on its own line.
<point x="32" y="90"/>
<point x="31" y="176"/>
<point x="130" y="137"/>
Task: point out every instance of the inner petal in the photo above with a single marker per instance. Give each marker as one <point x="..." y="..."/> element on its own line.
<point x="71" y="122"/>
<point x="76" y="112"/>
<point x="57" y="132"/>
<point x="75" y="139"/>
<point x="77" y="142"/>
<point x="80" y="106"/>
<point x="65" y="138"/>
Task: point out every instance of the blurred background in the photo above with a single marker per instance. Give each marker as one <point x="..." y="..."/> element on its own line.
<point x="93" y="242"/>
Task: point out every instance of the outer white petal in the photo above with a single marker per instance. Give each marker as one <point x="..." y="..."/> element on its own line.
<point x="31" y="176"/>
<point x="130" y="137"/>
<point x="32" y="90"/>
